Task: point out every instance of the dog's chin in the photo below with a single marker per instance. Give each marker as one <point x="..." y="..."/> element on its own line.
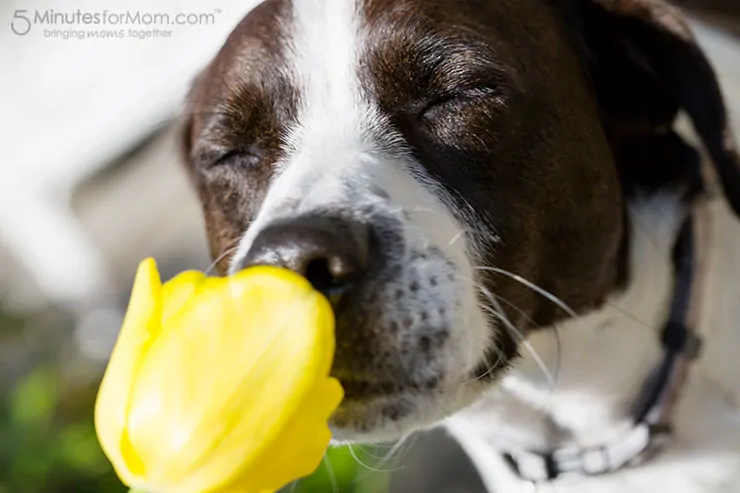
<point x="394" y="416"/>
<point x="418" y="377"/>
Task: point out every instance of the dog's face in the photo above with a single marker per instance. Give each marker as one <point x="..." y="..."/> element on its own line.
<point x="405" y="156"/>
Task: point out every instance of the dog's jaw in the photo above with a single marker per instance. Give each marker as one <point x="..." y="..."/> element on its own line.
<point x="342" y="158"/>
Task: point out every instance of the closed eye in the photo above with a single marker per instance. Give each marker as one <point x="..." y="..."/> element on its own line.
<point x="242" y="158"/>
<point x="452" y="99"/>
<point x="227" y="158"/>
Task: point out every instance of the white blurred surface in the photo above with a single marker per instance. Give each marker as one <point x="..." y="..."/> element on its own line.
<point x="70" y="106"/>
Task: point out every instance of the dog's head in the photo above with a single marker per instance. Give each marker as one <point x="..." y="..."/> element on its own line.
<point x="423" y="162"/>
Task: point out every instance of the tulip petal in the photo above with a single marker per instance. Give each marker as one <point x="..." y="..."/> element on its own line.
<point x="219" y="385"/>
<point x="178" y="292"/>
<point x="301" y="445"/>
<point x="238" y="378"/>
<point x="140" y="328"/>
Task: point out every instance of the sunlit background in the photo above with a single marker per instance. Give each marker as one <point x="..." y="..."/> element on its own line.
<point x="90" y="185"/>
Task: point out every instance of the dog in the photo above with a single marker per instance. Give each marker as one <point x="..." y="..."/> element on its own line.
<point x="492" y="195"/>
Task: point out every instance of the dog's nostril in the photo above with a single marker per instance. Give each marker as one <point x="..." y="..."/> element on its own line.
<point x="319" y="275"/>
<point x="330" y="276"/>
<point x="330" y="253"/>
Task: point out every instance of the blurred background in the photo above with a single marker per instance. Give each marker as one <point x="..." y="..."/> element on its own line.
<point x="90" y="185"/>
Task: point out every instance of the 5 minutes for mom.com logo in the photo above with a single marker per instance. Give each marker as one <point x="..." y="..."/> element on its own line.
<point x="106" y="24"/>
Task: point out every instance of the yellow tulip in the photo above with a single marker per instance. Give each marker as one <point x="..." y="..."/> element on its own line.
<point x="219" y="385"/>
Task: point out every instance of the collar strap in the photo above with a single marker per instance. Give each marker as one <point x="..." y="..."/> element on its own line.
<point x="655" y="407"/>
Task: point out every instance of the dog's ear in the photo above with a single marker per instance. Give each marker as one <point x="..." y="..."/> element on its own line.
<point x="646" y="67"/>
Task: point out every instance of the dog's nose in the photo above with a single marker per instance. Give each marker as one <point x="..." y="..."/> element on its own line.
<point x="331" y="253"/>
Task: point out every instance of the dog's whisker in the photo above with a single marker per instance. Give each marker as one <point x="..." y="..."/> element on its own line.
<point x="528" y="347"/>
<point x="366" y="466"/>
<point x="555" y="329"/>
<point x="385" y="445"/>
<point x="500" y="355"/>
<point x="498" y="312"/>
<point x="395" y="448"/>
<point x="561" y="304"/>
<point x="543" y="292"/>
<point x="222" y="256"/>
<point x="456" y="237"/>
<point x="377" y="457"/>
<point x="542" y="410"/>
<point x="629" y="315"/>
<point x="490" y="366"/>
<point x="408" y="442"/>
<point x="460" y="234"/>
<point x="330" y="473"/>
